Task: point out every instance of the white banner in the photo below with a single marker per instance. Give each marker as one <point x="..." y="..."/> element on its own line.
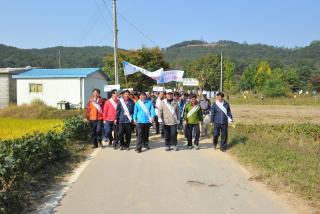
<point x="157" y="88"/>
<point x="159" y="75"/>
<point x="190" y="82"/>
<point x="131" y="69"/>
<point x="108" y="88"/>
<point x="172" y="75"/>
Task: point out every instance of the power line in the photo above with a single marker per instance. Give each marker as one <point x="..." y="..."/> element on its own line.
<point x="130" y="23"/>
<point x="109" y="12"/>
<point x="103" y="17"/>
<point x="137" y="29"/>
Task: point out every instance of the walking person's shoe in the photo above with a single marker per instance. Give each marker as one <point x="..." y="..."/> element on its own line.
<point x="128" y="148"/>
<point x="138" y="150"/>
<point x="196" y="147"/>
<point x="121" y="148"/>
<point x="190" y="147"/>
<point x="167" y="148"/>
<point x="175" y="148"/>
<point x="110" y="143"/>
<point x="100" y="144"/>
<point x="94" y="146"/>
<point x="214" y="146"/>
<point x="147" y="147"/>
<point x="223" y="150"/>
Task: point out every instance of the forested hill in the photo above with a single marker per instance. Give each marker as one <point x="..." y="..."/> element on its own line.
<point x="178" y="55"/>
<point x="244" y="54"/>
<point x="90" y="56"/>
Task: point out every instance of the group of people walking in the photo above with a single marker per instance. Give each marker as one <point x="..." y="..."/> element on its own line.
<point x="117" y="118"/>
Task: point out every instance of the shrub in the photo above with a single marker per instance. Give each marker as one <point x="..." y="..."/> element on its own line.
<point x="75" y="128"/>
<point x="20" y="160"/>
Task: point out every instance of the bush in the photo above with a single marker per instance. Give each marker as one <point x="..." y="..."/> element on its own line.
<point x="20" y="160"/>
<point x="274" y="88"/>
<point x="75" y="128"/>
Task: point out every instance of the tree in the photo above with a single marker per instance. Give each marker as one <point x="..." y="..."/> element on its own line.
<point x="247" y="81"/>
<point x="262" y="74"/>
<point x="150" y="59"/>
<point x="207" y="70"/>
<point x="290" y="77"/>
<point x="316" y="82"/>
<point x="228" y="72"/>
<point x="274" y="88"/>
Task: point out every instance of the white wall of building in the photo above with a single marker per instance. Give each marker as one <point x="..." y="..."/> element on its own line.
<point x="96" y="80"/>
<point x="53" y="91"/>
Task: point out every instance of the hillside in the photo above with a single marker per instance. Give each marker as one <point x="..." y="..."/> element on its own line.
<point x="90" y="56"/>
<point x="179" y="55"/>
<point x="243" y="54"/>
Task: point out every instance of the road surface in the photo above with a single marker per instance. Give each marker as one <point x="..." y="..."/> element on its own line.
<point x="156" y="181"/>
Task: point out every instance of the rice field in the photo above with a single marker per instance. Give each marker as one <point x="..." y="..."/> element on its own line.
<point x="11" y="128"/>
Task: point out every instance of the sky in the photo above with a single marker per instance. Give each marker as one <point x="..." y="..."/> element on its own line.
<point x="48" y="23"/>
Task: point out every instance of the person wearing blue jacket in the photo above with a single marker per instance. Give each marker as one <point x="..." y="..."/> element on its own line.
<point x="143" y="115"/>
<point x="124" y="119"/>
<point x="220" y="116"/>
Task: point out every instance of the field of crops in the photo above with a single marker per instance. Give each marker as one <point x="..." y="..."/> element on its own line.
<point x="13" y="128"/>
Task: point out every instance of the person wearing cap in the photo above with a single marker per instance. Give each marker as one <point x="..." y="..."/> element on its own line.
<point x="205" y="106"/>
<point x="94" y="114"/>
<point x="220" y="116"/>
<point x="124" y="119"/>
<point x="144" y="117"/>
<point x="109" y="116"/>
<point x="170" y="115"/>
<point x="192" y="118"/>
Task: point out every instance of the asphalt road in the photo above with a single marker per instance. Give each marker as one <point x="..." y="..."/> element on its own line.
<point x="156" y="181"/>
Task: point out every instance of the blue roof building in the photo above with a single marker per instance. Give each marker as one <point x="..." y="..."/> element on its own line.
<point x="73" y="85"/>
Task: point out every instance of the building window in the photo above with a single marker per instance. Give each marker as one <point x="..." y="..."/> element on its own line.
<point x="35" y="88"/>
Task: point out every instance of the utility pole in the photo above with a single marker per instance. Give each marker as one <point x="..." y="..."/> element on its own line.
<point x="221" y="74"/>
<point x="59" y="60"/>
<point x="115" y="29"/>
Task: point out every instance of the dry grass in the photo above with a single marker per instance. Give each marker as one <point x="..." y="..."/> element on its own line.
<point x="251" y="114"/>
<point x="36" y="111"/>
<point x="255" y="99"/>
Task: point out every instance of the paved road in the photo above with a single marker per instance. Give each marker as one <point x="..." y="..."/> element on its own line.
<point x="156" y="181"/>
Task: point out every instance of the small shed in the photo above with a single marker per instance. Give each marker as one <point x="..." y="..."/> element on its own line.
<point x="8" y="85"/>
<point x="53" y="86"/>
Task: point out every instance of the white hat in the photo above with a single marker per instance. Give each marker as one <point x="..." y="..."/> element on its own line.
<point x="204" y="93"/>
<point x="169" y="91"/>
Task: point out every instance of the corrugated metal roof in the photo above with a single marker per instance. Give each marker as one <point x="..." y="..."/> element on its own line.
<point x="56" y="73"/>
<point x="13" y="70"/>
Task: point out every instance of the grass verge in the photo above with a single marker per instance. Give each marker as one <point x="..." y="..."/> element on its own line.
<point x="286" y="156"/>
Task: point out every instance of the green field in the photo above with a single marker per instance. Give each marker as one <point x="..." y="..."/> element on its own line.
<point x="11" y="128"/>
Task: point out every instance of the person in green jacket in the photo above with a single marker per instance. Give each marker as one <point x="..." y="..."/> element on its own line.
<point x="192" y="118"/>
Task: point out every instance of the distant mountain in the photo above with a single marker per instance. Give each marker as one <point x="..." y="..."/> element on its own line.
<point x="179" y="55"/>
<point x="90" y="56"/>
<point x="243" y="54"/>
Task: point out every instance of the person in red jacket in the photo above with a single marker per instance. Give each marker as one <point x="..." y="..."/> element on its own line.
<point x="109" y="116"/>
<point x="94" y="114"/>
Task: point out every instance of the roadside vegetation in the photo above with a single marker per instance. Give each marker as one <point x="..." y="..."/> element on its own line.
<point x="37" y="145"/>
<point x="37" y="110"/>
<point x="285" y="156"/>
